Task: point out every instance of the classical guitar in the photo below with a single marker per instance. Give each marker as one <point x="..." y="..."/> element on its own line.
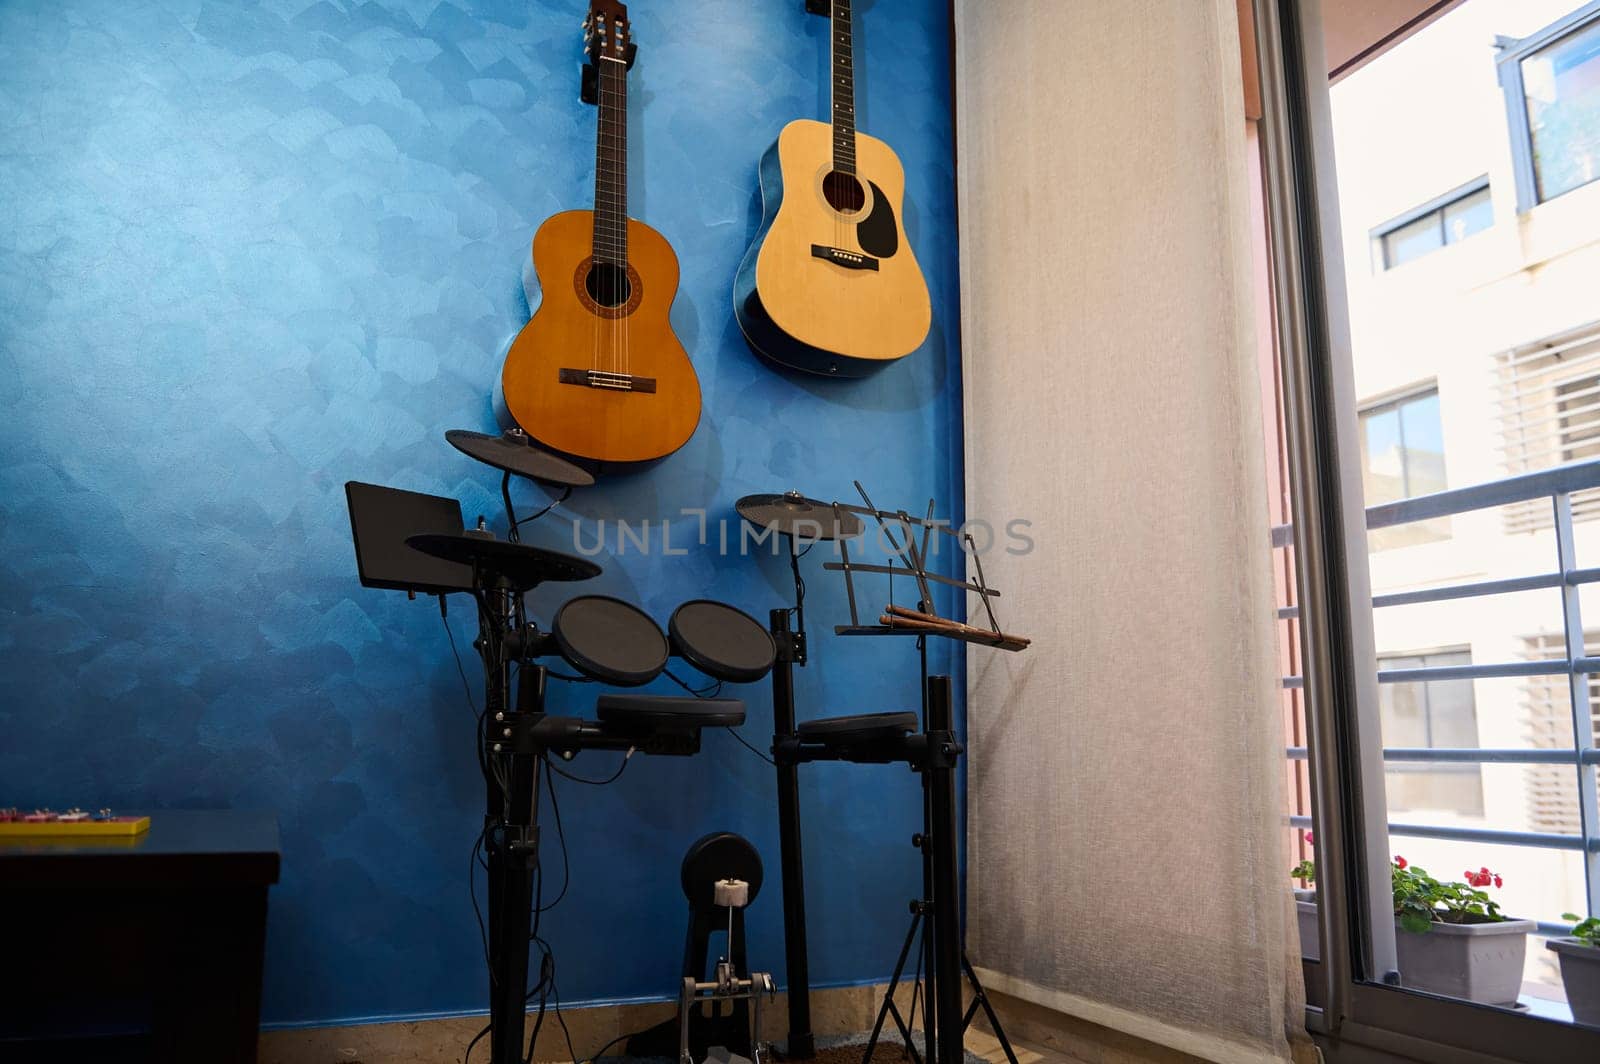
<point x="830" y="285"/>
<point x="597" y="372"/>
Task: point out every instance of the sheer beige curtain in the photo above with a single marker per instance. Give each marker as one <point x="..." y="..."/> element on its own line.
<point x="1126" y="858"/>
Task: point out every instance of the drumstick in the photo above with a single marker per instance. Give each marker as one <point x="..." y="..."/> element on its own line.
<point x="932" y="618"/>
<point x="900" y="616"/>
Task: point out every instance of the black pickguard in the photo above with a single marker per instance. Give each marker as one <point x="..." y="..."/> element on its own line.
<point x="877" y="233"/>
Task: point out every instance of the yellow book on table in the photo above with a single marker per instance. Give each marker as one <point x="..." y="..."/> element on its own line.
<point x="33" y="829"/>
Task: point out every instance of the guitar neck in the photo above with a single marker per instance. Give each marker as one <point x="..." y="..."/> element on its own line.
<point x="611" y="164"/>
<point x="844" y="90"/>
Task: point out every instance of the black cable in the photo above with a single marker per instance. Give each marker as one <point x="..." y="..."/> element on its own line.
<point x="472" y="889"/>
<point x="511" y="517"/>
<point x="596" y="1057"/>
<point x="709" y="691"/>
<point x="563" y="773"/>
<point x="555" y="993"/>
<point x="565" y="493"/>
<point x="465" y="686"/>
<point x="799" y="606"/>
<point x="620" y="1038"/>
<point x="546" y="984"/>
<point x="561" y="838"/>
<point x="467" y="1057"/>
<point x="746" y="744"/>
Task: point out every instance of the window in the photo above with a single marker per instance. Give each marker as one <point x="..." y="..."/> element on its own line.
<point x="1549" y="401"/>
<point x="1552" y="85"/>
<point x="1430" y="715"/>
<point x="1447" y="220"/>
<point x="1454" y="759"/>
<point x="1402" y="456"/>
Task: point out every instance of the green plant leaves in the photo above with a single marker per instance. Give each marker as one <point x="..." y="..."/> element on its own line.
<point x="1586" y="931"/>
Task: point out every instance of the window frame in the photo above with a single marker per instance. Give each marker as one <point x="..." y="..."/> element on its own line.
<point x="1364" y="1016"/>
<point x="1508" y="62"/>
<point x="1378" y="234"/>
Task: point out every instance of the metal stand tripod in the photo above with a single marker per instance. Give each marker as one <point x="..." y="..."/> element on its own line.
<point x="922" y="909"/>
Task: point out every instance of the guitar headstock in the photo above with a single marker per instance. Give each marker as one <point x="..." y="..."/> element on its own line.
<point x="607" y="33"/>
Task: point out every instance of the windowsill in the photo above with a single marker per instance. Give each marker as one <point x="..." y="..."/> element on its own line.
<point x="1557" y="227"/>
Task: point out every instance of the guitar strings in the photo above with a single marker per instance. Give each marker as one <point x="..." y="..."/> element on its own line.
<point x="595" y="38"/>
<point x="619" y="117"/>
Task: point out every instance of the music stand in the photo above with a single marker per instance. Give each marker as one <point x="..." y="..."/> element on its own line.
<point x="943" y="951"/>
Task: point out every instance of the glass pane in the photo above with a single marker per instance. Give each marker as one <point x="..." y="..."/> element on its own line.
<point x="1430" y="714"/>
<point x="1412" y="240"/>
<point x="1453" y="790"/>
<point x="1562" y="83"/>
<point x="1452" y="710"/>
<point x="1403" y="706"/>
<point x="1424" y="440"/>
<point x="1403" y="457"/>
<point x="1468" y="215"/>
<point x="1384" y="476"/>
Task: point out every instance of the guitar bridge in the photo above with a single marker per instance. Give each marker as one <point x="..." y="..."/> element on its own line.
<point x="850" y="260"/>
<point x="600" y="378"/>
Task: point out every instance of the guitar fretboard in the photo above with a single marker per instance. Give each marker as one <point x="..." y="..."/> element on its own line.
<point x="844" y="91"/>
<point x="611" y="164"/>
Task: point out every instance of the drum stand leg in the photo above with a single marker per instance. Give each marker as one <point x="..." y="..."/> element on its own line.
<point x="940" y="771"/>
<point x="801" y="1044"/>
<point x="511" y="840"/>
<point x="512" y="850"/>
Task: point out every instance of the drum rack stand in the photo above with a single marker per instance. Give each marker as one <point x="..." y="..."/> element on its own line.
<point x="938" y="910"/>
<point x="510" y="825"/>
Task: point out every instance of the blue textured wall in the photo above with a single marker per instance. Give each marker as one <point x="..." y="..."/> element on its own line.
<point x="250" y="251"/>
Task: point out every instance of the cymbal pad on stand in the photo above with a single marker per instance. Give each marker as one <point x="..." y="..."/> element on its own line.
<point x="792" y="514"/>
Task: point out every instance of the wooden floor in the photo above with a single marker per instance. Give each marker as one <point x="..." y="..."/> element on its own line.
<point x="1037" y="1035"/>
<point x="987" y="1046"/>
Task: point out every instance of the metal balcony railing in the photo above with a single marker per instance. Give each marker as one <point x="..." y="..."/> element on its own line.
<point x="1557" y="485"/>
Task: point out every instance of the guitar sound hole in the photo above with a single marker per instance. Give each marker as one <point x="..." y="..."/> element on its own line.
<point x="608" y="285"/>
<point x="843" y="192"/>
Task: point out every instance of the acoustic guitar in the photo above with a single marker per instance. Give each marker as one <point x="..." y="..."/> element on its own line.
<point x="830" y="285"/>
<point x="598" y="372"/>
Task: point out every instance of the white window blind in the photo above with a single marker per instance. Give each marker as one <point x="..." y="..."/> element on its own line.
<point x="1550" y="415"/>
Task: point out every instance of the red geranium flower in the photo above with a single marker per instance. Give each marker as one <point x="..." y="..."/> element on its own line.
<point x="1399" y="862"/>
<point x="1309" y="840"/>
<point x="1497" y="881"/>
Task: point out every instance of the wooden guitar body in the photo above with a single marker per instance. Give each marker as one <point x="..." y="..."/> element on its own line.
<point x="602" y="378"/>
<point x="829" y="291"/>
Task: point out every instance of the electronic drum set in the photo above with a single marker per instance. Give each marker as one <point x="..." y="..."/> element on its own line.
<point x="417" y="543"/>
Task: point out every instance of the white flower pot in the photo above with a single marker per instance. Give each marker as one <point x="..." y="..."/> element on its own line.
<point x="1580" y="974"/>
<point x="1474" y="962"/>
<point x="1305" y="904"/>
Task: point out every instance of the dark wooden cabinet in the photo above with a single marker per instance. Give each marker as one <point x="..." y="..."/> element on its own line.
<point x="147" y="948"/>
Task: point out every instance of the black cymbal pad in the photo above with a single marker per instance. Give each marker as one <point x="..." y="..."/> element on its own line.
<point x="521" y="565"/>
<point x="792" y="514"/>
<point x="514" y="452"/>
